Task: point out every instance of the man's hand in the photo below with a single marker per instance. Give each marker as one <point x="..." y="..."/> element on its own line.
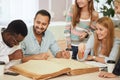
<point x="63" y="54"/>
<point x="41" y="56"/>
<point x="16" y="55"/>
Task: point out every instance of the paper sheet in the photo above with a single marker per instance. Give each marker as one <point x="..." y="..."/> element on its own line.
<point x="98" y="64"/>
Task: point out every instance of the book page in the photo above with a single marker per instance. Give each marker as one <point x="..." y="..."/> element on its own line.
<point x="77" y="67"/>
<point x="73" y="64"/>
<point x="40" y="69"/>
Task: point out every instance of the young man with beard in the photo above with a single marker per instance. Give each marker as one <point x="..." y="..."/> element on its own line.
<point x="39" y="40"/>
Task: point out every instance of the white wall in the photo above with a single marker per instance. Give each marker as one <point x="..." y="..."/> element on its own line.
<point x="18" y="9"/>
<point x="57" y="28"/>
<point x="57" y="8"/>
<point x="26" y="9"/>
<point x="4" y="9"/>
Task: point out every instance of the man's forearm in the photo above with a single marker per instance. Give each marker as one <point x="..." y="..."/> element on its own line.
<point x="27" y="58"/>
<point x="41" y="56"/>
<point x="18" y="54"/>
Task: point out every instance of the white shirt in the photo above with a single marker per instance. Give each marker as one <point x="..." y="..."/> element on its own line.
<point x="5" y="50"/>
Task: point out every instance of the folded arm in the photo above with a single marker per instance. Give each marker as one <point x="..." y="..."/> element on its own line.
<point x="18" y="54"/>
<point x="41" y="56"/>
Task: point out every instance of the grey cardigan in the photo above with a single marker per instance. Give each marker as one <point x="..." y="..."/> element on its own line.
<point x="89" y="49"/>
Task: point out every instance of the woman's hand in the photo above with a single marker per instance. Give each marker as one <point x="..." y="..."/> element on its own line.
<point x="81" y="47"/>
<point x="81" y="50"/>
<point x="89" y="58"/>
<point x="83" y="35"/>
<point x="106" y="75"/>
<point x="69" y="46"/>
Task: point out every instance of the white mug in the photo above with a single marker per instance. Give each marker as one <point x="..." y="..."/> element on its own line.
<point x="110" y="65"/>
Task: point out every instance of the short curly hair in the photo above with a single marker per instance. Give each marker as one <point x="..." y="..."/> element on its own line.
<point x="44" y="13"/>
<point x="17" y="27"/>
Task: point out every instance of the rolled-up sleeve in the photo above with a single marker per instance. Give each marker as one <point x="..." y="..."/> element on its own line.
<point x="114" y="52"/>
<point x="54" y="48"/>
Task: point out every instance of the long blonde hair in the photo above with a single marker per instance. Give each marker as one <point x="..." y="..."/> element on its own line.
<point x="77" y="12"/>
<point x="118" y="1"/>
<point x="107" y="23"/>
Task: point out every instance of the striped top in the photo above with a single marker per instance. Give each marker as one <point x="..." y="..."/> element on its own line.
<point x="73" y="34"/>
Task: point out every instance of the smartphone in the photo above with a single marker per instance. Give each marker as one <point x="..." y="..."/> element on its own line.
<point x="11" y="73"/>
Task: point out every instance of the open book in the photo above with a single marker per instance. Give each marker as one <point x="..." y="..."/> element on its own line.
<point x="45" y="69"/>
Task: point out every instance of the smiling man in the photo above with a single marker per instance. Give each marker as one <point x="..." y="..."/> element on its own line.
<point x="39" y="40"/>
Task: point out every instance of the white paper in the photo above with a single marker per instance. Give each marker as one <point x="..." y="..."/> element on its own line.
<point x="98" y="64"/>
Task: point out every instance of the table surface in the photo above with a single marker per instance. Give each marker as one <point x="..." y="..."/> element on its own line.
<point x="89" y="76"/>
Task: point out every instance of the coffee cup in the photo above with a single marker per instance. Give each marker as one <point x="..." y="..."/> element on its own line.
<point x="110" y="65"/>
<point x="2" y="66"/>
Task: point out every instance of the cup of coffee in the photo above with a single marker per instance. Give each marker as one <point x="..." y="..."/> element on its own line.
<point x="70" y="51"/>
<point x="110" y="65"/>
<point x="2" y="66"/>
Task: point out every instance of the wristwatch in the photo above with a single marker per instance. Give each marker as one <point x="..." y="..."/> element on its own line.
<point x="94" y="57"/>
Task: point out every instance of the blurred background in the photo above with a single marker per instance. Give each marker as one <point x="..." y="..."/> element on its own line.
<point x="26" y="9"/>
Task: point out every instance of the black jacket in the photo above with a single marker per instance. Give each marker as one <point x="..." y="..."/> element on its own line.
<point x="116" y="70"/>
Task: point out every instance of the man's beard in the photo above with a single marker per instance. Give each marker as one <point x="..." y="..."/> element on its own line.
<point x="41" y="33"/>
<point x="38" y="32"/>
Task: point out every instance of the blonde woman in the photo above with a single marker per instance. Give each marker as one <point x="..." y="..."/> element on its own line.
<point x="116" y="71"/>
<point x="102" y="46"/>
<point x="79" y="19"/>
